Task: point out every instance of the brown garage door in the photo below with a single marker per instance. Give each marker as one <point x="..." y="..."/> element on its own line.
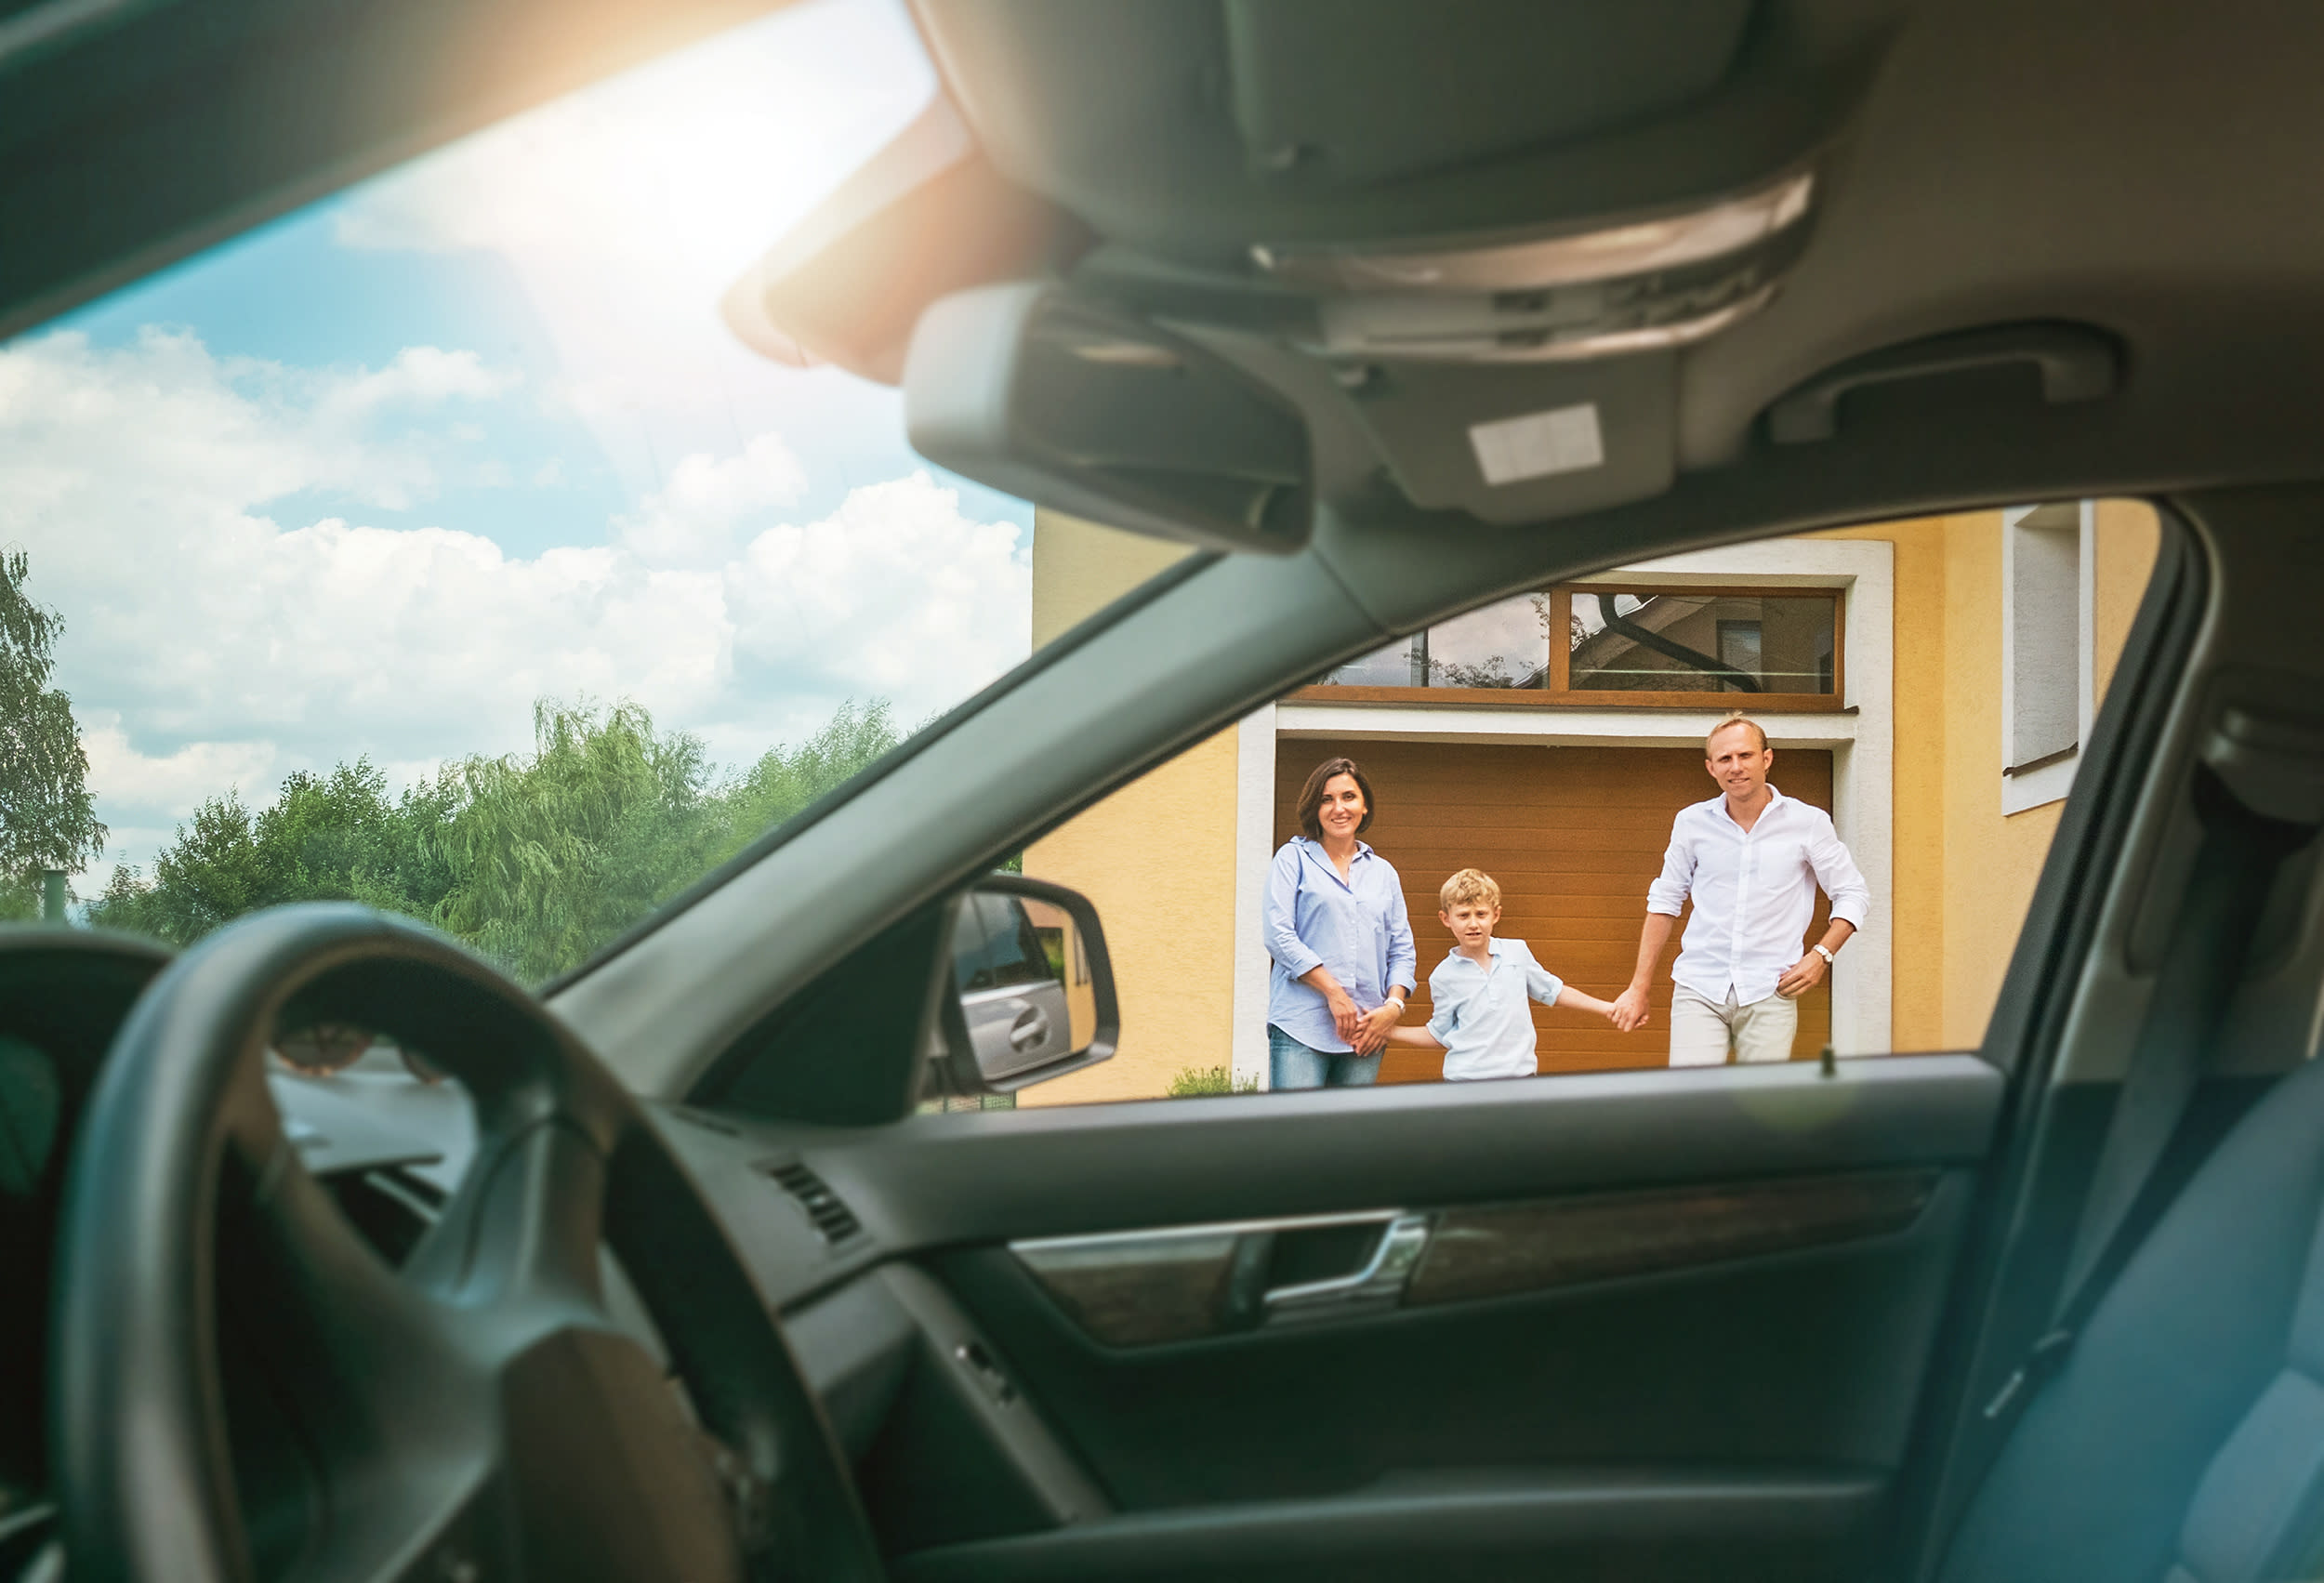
<point x="1574" y="835"/>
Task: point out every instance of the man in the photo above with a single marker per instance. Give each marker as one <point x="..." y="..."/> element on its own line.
<point x="1752" y="859"/>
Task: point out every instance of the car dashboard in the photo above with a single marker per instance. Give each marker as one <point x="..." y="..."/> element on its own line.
<point x="945" y="1444"/>
<point x="911" y="1387"/>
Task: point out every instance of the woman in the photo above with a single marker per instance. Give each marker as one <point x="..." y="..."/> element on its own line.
<point x="1335" y="925"/>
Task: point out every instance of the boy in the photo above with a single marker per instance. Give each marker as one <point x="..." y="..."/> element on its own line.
<point x="1481" y="1022"/>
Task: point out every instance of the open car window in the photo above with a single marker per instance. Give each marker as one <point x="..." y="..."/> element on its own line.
<point x="437" y="547"/>
<point x="1927" y="689"/>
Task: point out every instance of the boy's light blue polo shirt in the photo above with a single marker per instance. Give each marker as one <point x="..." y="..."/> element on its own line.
<point x="1481" y="1019"/>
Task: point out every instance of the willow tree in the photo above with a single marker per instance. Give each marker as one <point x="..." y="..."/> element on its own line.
<point x="553" y="853"/>
<point x="537" y="858"/>
<point x="557" y="850"/>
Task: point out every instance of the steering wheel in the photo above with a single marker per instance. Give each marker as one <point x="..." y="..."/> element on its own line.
<point x="241" y="1387"/>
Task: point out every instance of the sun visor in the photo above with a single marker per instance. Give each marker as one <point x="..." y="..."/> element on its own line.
<point x="1033" y="391"/>
<point x="926" y="216"/>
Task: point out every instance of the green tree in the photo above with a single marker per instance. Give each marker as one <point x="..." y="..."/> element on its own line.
<point x="537" y="859"/>
<point x="411" y="868"/>
<point x="47" y="817"/>
<point x="557" y="851"/>
<point x="786" y="780"/>
<point x="323" y="831"/>
<point x="209" y="874"/>
<point x="324" y="838"/>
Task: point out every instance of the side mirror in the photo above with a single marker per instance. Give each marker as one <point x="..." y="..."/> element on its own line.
<point x="1030" y="992"/>
<point x="1078" y="406"/>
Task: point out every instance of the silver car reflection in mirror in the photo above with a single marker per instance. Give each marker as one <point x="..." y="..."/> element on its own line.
<point x="1014" y="976"/>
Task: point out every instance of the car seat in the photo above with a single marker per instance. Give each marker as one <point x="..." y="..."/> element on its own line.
<point x="2182" y="1439"/>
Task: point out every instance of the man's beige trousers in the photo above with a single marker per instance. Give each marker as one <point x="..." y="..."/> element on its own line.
<point x="1701" y="1029"/>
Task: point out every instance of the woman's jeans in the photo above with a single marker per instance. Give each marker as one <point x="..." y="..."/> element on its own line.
<point x="1292" y="1064"/>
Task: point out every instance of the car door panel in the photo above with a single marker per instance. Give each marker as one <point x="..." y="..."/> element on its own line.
<point x="1662" y="1323"/>
<point x="1805" y="1357"/>
<point x="1183" y="1284"/>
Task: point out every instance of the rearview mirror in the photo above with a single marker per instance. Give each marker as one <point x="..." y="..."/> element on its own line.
<point x="1030" y="994"/>
<point x="1094" y="411"/>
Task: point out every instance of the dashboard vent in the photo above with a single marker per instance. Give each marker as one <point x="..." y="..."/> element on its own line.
<point x="832" y="1218"/>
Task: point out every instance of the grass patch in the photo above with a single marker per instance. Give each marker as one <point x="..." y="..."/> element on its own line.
<point x="1193" y="1082"/>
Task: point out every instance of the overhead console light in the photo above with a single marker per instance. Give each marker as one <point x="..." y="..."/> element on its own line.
<point x="1634" y="249"/>
<point x="1662" y="282"/>
<point x="1090" y="410"/>
<point x="1578" y="324"/>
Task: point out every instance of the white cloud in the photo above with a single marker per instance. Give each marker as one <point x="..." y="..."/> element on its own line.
<point x="164" y="417"/>
<point x="419" y="376"/>
<point x="820" y="599"/>
<point x="209" y="645"/>
<point x="174" y="784"/>
<point x="693" y="520"/>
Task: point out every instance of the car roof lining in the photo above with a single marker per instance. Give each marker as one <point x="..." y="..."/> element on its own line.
<point x="1138" y="115"/>
<point x="2169" y="206"/>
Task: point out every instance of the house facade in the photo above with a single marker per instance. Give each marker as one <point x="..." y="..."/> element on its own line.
<point x="1929" y="682"/>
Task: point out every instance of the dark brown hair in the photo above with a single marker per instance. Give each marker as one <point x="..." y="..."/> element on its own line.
<point x="1311" y="796"/>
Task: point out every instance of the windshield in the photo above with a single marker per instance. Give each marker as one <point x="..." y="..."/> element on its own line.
<point x="437" y="547"/>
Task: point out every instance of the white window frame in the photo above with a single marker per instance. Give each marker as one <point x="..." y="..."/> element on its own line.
<point x="2048" y="783"/>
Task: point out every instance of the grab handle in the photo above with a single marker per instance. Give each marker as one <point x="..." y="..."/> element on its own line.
<point x="2077" y="363"/>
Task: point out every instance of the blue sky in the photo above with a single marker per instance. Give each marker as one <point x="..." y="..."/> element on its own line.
<point x="292" y="294"/>
<point x="373" y="478"/>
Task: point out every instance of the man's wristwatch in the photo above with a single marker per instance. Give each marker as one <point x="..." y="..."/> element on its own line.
<point x="1819" y="949"/>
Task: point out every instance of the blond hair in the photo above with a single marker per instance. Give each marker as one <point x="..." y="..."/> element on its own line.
<point x="1469" y="886"/>
<point x="1736" y="717"/>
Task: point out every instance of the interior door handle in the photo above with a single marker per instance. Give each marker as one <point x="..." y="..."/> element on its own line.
<point x="1381" y="1281"/>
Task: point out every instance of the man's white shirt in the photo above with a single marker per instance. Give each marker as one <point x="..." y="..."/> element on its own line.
<point x="1481" y="1019"/>
<point x="1754" y="892"/>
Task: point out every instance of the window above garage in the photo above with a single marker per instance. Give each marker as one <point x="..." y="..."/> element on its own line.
<point x="1618" y="645"/>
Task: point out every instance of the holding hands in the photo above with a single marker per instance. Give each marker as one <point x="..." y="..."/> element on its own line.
<point x="1628" y="1010"/>
<point x="1609" y="1010"/>
<point x="1418" y="1037"/>
<point x="1365" y="1031"/>
<point x="1373" y="1032"/>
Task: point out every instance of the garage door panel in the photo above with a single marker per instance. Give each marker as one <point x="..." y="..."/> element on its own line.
<point x="1574" y="836"/>
<point x="1576" y="827"/>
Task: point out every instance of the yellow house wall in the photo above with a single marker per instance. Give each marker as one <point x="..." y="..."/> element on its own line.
<point x="1155" y="856"/>
<point x="1965" y="871"/>
<point x="1992" y="860"/>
